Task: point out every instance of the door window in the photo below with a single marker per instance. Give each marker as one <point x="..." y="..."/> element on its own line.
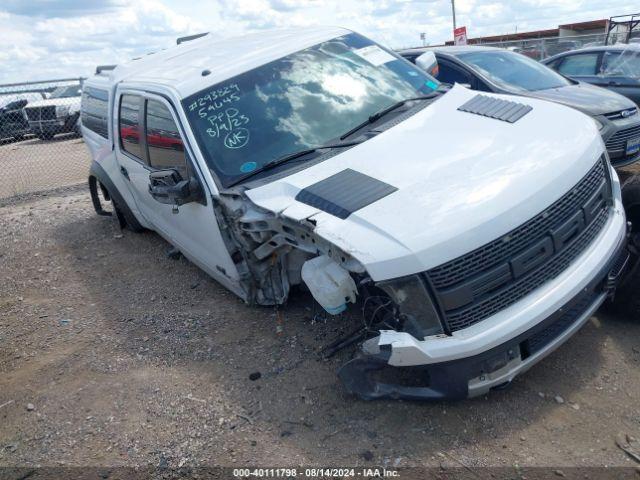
<point x="166" y="149"/>
<point x="620" y="64"/>
<point x="583" y="64"/>
<point x="129" y="125"/>
<point x="449" y="74"/>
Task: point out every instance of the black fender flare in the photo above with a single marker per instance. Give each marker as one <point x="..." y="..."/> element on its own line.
<point x="124" y="213"/>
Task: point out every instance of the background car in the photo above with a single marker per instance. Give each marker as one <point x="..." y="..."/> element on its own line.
<point x="615" y="67"/>
<point x="502" y="71"/>
<point x="13" y="124"/>
<point x="59" y="113"/>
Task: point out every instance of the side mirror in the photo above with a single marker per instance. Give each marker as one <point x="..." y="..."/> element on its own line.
<point x="168" y="187"/>
<point x="429" y="63"/>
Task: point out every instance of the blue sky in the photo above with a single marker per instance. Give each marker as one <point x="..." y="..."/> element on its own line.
<point x="67" y="38"/>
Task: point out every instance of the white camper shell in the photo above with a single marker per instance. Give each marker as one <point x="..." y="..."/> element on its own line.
<point x="477" y="232"/>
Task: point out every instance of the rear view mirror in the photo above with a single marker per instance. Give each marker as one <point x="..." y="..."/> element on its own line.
<point x="429" y="63"/>
<point x="168" y="187"/>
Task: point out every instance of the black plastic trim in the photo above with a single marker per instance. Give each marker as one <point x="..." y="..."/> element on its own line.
<point x="344" y="193"/>
<point x="98" y="172"/>
<point x="496" y="108"/>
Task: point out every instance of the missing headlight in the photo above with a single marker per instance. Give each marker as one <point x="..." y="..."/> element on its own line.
<point x="418" y="312"/>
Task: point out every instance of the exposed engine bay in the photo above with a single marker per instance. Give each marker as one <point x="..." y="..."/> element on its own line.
<point x="273" y="253"/>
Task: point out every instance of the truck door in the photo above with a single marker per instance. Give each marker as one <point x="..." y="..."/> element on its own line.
<point x="150" y="139"/>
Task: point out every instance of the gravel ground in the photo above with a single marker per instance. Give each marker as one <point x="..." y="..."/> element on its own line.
<point x="113" y="354"/>
<point x="33" y="165"/>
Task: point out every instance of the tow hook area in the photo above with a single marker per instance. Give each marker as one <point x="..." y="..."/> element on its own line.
<point x="358" y="374"/>
<point x="370" y="377"/>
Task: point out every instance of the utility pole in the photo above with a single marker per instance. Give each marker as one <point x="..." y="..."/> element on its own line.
<point x="453" y="10"/>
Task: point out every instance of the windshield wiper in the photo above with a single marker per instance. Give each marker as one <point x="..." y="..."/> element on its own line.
<point x="289" y="157"/>
<point x="381" y="113"/>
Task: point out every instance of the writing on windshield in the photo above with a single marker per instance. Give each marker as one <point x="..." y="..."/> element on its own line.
<point x="300" y="101"/>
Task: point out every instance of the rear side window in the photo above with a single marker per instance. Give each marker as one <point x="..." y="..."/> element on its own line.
<point x="166" y="149"/>
<point x="129" y="125"/>
<point x="579" y="65"/>
<point x="621" y="64"/>
<point x="95" y="108"/>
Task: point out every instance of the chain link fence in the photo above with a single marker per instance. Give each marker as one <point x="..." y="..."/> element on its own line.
<point x="40" y="144"/>
<point x="541" y="48"/>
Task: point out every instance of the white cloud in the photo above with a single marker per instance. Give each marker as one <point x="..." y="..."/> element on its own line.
<point x="72" y="45"/>
<point x="65" y="38"/>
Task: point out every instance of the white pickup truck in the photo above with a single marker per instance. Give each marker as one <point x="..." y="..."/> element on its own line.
<point x="59" y="113"/>
<point x="476" y="232"/>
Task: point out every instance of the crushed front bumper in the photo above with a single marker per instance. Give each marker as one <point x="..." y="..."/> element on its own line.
<point x="495" y="368"/>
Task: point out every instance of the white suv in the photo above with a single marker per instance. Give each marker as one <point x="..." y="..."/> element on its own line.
<point x="477" y="232"/>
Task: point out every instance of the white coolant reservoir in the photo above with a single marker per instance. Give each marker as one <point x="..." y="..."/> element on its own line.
<point x="330" y="284"/>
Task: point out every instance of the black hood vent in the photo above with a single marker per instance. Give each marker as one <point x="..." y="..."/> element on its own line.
<point x="496" y="108"/>
<point x="344" y="193"/>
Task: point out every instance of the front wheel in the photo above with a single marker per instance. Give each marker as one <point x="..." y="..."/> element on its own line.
<point x="631" y="202"/>
<point x="625" y="300"/>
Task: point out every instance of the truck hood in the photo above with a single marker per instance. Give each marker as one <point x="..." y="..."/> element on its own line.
<point x="462" y="180"/>
<point x="74" y="101"/>
<point x="587" y="98"/>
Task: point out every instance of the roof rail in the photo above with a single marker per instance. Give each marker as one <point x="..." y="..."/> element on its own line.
<point x="188" y="38"/>
<point x="103" y="68"/>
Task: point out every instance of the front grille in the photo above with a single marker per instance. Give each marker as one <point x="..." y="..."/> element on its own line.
<point x="501" y="249"/>
<point x="518" y="290"/>
<point x="456" y="275"/>
<point x="36" y="114"/>
<point x="628" y="112"/>
<point x="33" y="114"/>
<point x="618" y="141"/>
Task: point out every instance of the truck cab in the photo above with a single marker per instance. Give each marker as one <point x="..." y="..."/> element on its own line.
<point x="476" y="232"/>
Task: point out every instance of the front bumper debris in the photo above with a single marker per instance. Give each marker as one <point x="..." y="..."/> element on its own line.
<point x="490" y="370"/>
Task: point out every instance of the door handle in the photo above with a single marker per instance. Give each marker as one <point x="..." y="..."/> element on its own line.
<point x="124" y="172"/>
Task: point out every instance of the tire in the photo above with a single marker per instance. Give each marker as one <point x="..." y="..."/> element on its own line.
<point x="631" y="201"/>
<point x="126" y="218"/>
<point x="119" y="213"/>
<point x="625" y="301"/>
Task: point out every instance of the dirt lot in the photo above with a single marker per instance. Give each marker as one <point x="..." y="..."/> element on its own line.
<point x="33" y="165"/>
<point x="113" y="354"/>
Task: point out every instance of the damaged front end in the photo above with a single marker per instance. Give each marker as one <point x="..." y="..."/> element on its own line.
<point x="270" y="250"/>
<point x="410" y="347"/>
<point x="273" y="253"/>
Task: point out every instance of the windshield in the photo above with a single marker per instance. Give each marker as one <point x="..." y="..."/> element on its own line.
<point x="65" y="92"/>
<point x="512" y="70"/>
<point x="300" y="101"/>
